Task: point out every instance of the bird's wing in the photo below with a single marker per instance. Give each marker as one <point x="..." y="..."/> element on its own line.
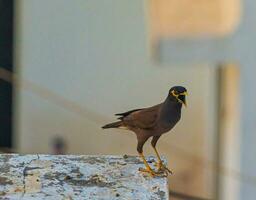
<point x="144" y="118"/>
<point x="122" y="115"/>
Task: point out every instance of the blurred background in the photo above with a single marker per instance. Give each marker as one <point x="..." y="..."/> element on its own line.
<point x="66" y="67"/>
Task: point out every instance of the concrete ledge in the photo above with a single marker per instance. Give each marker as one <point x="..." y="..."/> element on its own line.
<point x="77" y="177"/>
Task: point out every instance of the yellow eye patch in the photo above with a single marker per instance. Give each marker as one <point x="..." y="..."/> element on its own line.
<point x="174" y="93"/>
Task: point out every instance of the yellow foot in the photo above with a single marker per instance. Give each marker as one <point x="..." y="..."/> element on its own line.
<point x="162" y="168"/>
<point x="149" y="171"/>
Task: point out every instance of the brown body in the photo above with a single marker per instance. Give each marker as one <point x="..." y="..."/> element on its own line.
<point x="153" y="121"/>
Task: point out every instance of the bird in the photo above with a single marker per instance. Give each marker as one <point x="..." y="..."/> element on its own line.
<point x="153" y="122"/>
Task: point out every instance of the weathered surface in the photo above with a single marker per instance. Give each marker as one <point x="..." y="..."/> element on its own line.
<point x="77" y="177"/>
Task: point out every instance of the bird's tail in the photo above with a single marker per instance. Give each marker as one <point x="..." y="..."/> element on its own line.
<point x="113" y="125"/>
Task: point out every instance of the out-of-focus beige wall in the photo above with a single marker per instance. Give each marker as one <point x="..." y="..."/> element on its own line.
<point x="230" y="131"/>
<point x="182" y="18"/>
<point x="94" y="55"/>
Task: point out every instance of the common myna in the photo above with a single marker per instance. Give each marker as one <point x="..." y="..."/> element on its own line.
<point x="153" y="122"/>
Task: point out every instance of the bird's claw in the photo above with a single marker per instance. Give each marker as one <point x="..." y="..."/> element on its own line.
<point x="151" y="172"/>
<point x="162" y="168"/>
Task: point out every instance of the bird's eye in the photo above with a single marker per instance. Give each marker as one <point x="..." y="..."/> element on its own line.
<point x="174" y="93"/>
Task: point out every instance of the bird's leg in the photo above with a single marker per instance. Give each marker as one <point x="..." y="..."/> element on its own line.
<point x="160" y="165"/>
<point x="148" y="169"/>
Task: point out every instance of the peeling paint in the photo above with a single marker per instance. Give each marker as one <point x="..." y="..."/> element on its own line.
<point x="5" y="181"/>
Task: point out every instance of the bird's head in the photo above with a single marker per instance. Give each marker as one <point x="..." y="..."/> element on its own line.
<point x="178" y="93"/>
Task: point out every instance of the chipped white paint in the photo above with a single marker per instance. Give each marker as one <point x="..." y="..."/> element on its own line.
<point x="77" y="177"/>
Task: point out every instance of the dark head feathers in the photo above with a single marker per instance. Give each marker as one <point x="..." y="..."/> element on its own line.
<point x="178" y="89"/>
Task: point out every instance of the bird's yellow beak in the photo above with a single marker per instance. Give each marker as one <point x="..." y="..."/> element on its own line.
<point x="184" y="93"/>
<point x="180" y="97"/>
<point x="183" y="100"/>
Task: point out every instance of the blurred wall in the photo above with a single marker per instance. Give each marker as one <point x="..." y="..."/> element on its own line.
<point x="95" y="55"/>
<point x="198" y="18"/>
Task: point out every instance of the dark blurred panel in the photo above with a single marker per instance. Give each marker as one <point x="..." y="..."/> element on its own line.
<point x="6" y="62"/>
